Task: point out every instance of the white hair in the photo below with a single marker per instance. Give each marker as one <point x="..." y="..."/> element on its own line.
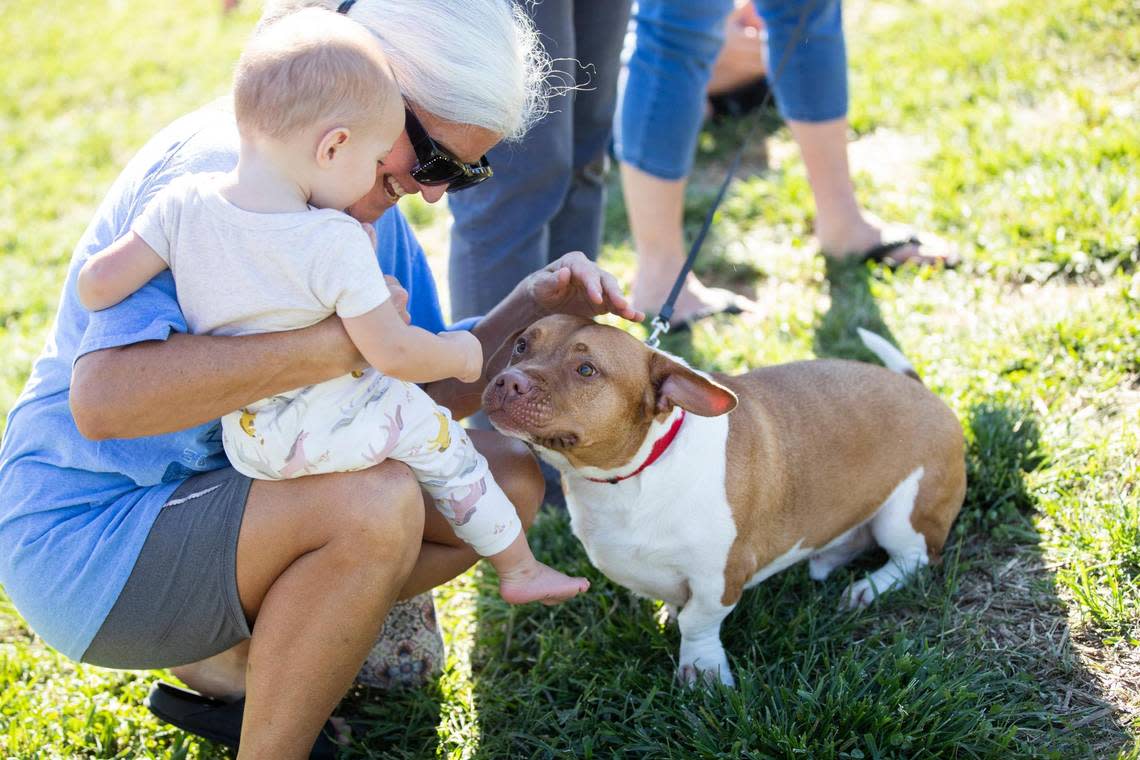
<point x="476" y="62"/>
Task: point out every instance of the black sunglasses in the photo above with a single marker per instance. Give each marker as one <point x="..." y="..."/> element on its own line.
<point x="436" y="166"/>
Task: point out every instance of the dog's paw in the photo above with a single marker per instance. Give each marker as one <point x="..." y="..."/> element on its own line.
<point x="858" y="595"/>
<point x="691" y="675"/>
<point x="819" y="568"/>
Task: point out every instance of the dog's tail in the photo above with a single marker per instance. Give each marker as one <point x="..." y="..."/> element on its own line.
<point x="888" y="354"/>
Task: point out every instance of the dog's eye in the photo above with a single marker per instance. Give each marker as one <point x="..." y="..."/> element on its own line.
<point x="520" y="345"/>
<point x="587" y="370"/>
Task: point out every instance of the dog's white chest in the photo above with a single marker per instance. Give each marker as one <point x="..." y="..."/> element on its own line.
<point x="658" y="531"/>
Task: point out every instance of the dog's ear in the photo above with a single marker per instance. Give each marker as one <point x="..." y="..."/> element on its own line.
<point x="502" y="356"/>
<point x="675" y="384"/>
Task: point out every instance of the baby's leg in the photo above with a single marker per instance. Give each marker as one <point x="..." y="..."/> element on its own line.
<point x="459" y="480"/>
<point x="452" y="471"/>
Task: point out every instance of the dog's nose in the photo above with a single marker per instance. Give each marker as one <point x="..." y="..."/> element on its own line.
<point x="515" y="382"/>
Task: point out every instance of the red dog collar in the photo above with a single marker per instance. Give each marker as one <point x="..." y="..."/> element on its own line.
<point x="655" y="453"/>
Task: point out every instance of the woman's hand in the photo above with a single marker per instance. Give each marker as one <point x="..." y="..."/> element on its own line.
<point x="575" y="285"/>
<point x="399" y="298"/>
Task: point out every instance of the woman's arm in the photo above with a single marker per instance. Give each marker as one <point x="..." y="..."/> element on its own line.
<point x="158" y="387"/>
<point x="161" y="386"/>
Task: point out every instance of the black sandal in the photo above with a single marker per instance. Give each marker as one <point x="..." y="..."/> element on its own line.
<point x="686" y="324"/>
<point x="741" y="100"/>
<point x="880" y="254"/>
<point x="216" y="720"/>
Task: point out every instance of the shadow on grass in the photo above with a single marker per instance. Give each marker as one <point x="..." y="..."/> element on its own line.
<point x="973" y="659"/>
<point x="852" y="305"/>
<point x="1000" y="600"/>
<point x="393" y="724"/>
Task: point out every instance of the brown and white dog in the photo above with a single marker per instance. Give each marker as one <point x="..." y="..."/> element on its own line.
<point x="678" y="500"/>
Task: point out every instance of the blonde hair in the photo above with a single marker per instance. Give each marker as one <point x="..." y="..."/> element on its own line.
<point x="476" y="62"/>
<point x="312" y="68"/>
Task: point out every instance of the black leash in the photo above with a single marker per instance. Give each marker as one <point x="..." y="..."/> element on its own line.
<point x="660" y="322"/>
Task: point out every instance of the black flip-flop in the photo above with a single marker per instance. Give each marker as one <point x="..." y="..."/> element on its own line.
<point x="686" y="324"/>
<point x="880" y="254"/>
<point x="741" y="100"/>
<point x="216" y="720"/>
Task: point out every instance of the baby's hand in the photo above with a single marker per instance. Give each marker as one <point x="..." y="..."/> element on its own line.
<point x="471" y="352"/>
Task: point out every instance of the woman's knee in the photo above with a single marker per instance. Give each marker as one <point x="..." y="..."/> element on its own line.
<point x="367" y="524"/>
<point x="380" y="511"/>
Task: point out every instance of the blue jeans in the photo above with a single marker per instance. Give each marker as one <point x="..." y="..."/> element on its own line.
<point x="662" y="92"/>
<point x="548" y="192"/>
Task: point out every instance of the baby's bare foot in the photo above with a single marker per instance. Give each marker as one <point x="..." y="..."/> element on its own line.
<point x="539" y="583"/>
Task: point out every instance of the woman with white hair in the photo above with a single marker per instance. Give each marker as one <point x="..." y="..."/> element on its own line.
<point x="127" y="541"/>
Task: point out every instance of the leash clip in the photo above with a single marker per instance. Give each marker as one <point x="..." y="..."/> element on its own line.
<point x="660" y="327"/>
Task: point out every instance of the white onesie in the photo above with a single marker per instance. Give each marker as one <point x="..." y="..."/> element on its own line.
<point x="238" y="273"/>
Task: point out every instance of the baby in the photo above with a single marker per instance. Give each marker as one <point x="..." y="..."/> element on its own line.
<point x="267" y="248"/>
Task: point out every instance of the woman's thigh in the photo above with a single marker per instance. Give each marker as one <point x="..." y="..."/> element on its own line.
<point x="377" y="509"/>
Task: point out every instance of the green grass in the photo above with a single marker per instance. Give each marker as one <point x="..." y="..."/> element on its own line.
<point x="1024" y="148"/>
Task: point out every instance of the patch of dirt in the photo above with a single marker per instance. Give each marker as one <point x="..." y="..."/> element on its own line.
<point x="1009" y="597"/>
<point x="1006" y="610"/>
<point x="1115" y="667"/>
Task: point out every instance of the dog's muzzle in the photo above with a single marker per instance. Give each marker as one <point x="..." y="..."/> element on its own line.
<point x="512" y="399"/>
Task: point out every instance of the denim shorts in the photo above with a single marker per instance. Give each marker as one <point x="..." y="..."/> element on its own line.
<point x="669" y="60"/>
<point x="180" y="603"/>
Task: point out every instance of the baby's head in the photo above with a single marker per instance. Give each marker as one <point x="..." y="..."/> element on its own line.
<point x="316" y="89"/>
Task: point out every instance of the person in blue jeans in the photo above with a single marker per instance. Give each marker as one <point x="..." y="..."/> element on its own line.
<point x="549" y="190"/>
<point x="660" y="108"/>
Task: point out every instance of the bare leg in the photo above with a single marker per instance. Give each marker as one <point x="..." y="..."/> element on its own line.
<point x="841" y="227"/>
<point x="742" y="56"/>
<point x="655" y="209"/>
<point x="444" y="556"/>
<point x="655" y="206"/>
<point x="320" y="560"/>
<point x="221" y="676"/>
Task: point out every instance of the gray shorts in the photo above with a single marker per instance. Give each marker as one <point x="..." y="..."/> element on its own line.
<point x="180" y="603"/>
